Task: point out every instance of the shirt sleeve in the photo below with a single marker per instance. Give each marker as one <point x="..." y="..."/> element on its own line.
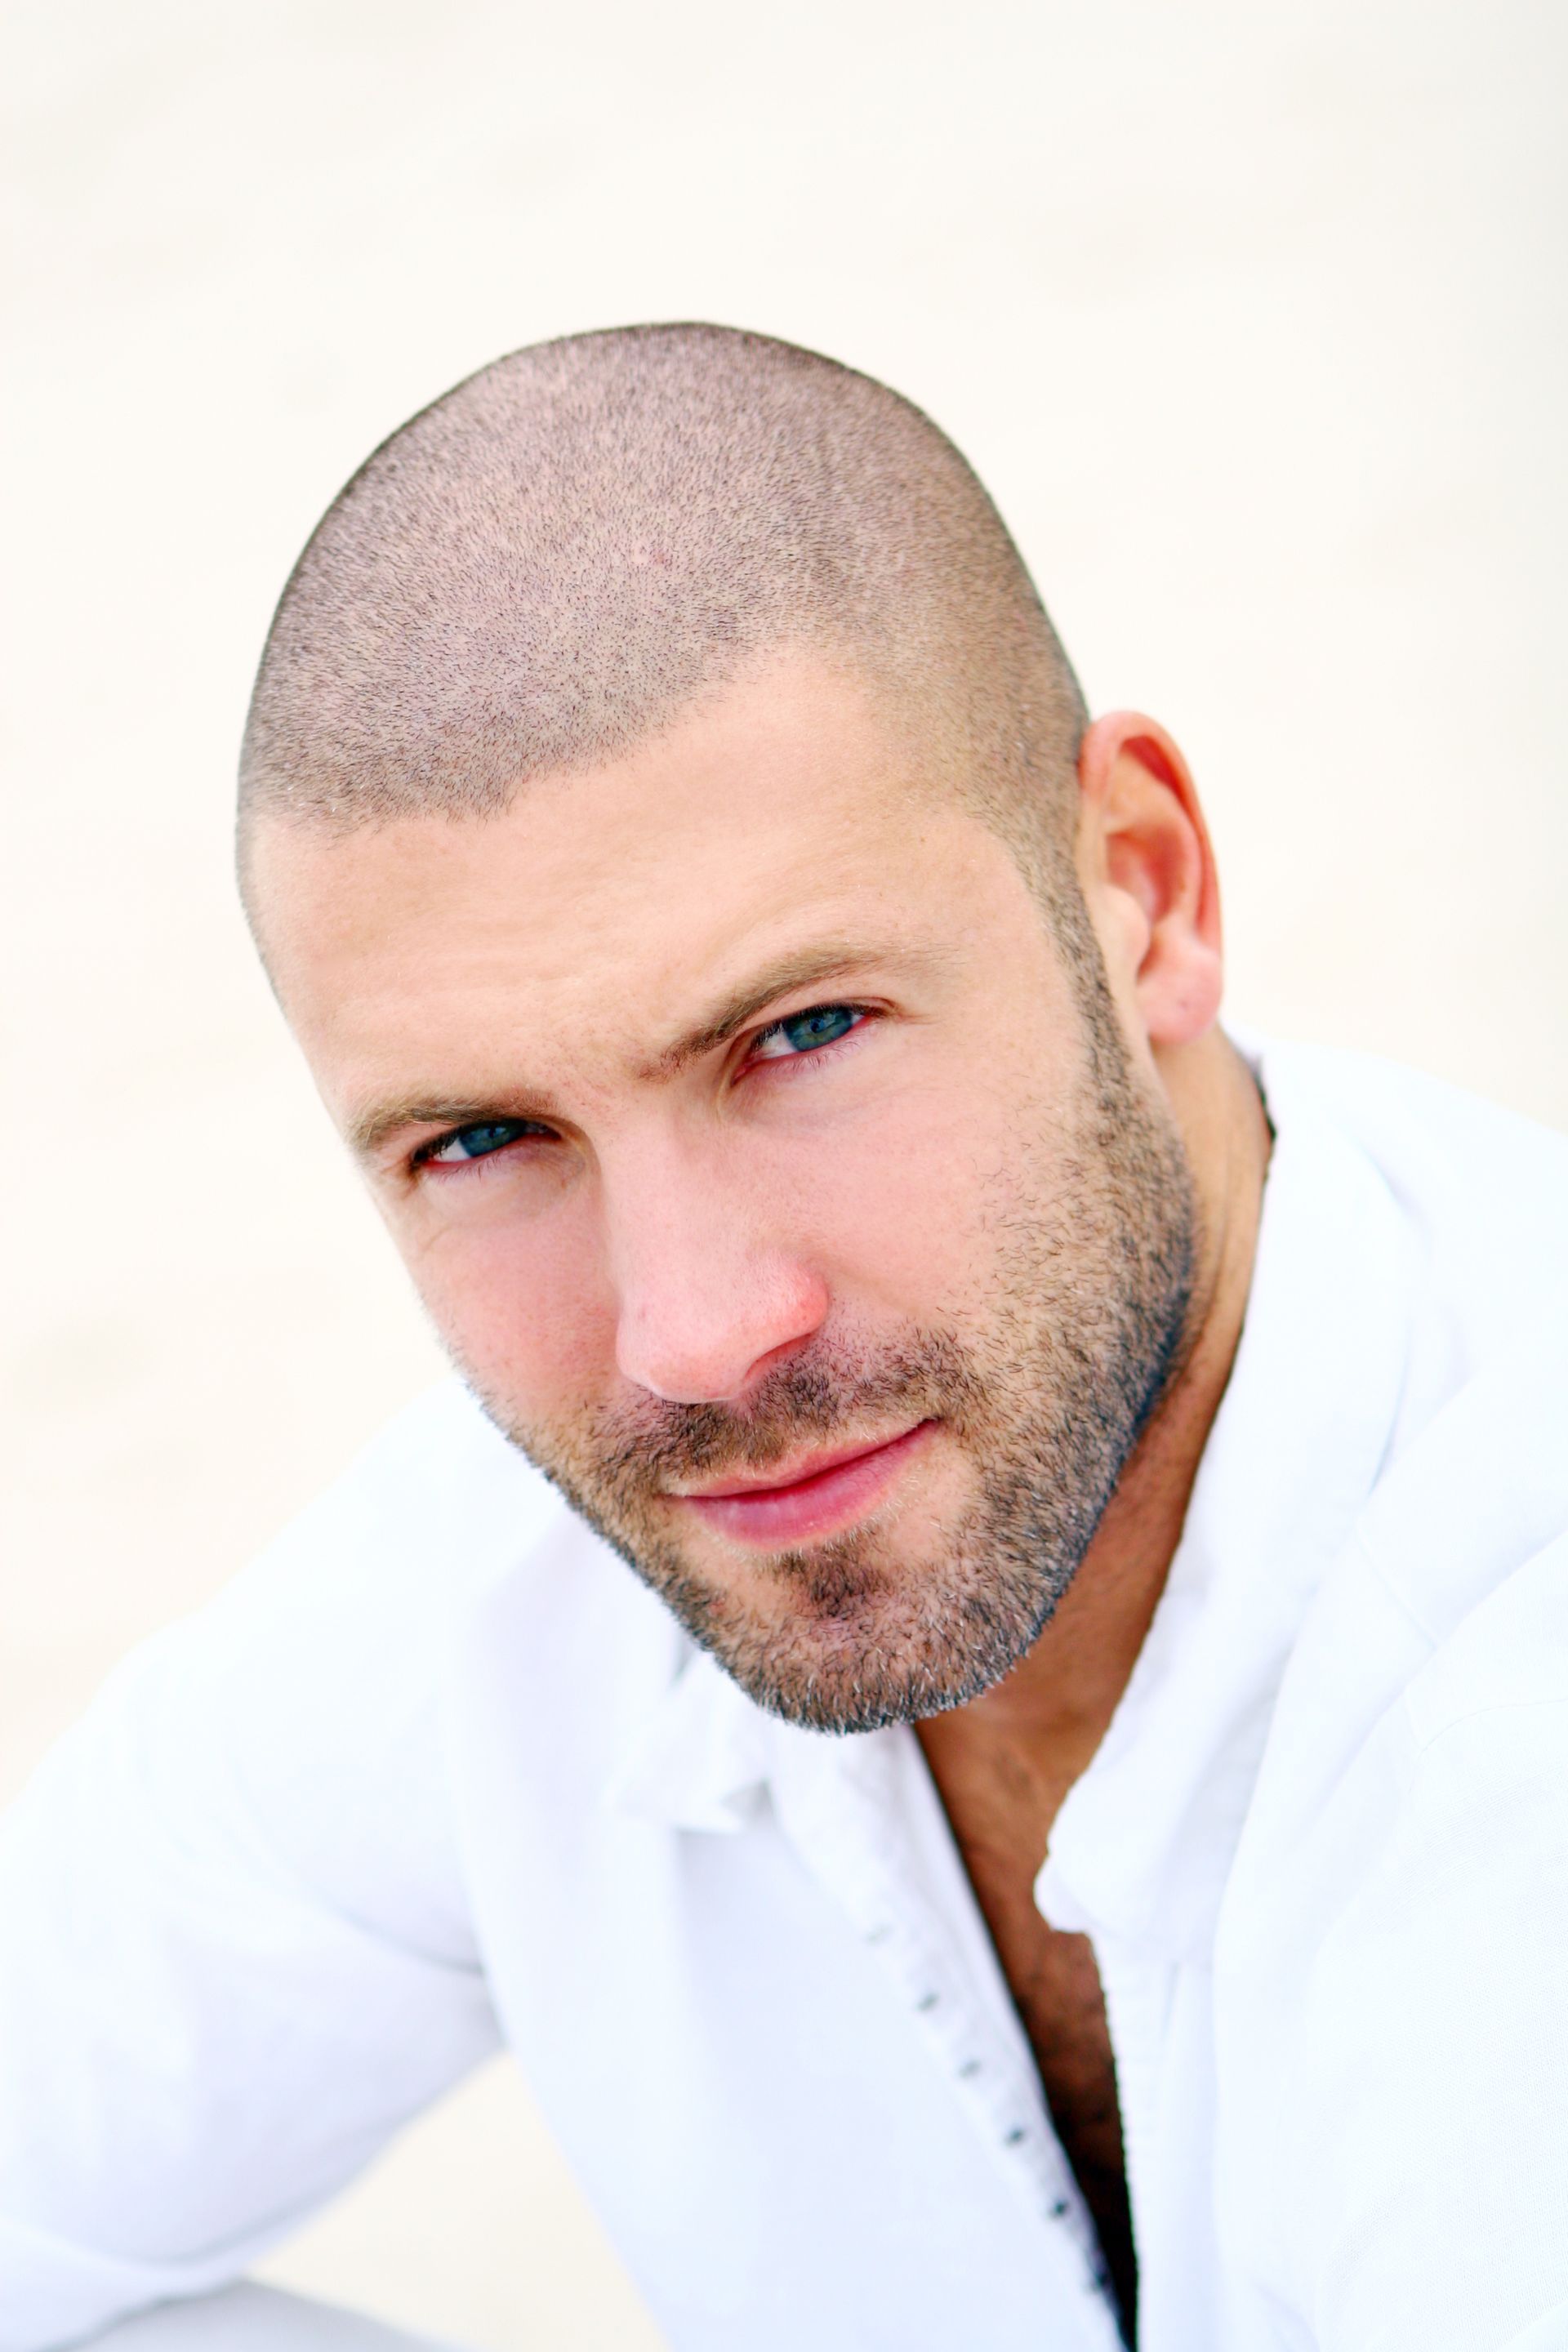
<point x="1431" y="2094"/>
<point x="233" y="1952"/>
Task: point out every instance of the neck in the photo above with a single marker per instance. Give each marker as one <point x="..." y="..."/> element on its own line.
<point x="1048" y="1716"/>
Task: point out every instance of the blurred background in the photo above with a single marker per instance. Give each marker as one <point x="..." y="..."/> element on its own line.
<point x="1251" y="315"/>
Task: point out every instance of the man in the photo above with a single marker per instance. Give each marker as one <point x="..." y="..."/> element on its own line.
<point x="1006" y="1782"/>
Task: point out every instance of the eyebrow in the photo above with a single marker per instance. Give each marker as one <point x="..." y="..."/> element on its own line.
<point x="802" y="968"/>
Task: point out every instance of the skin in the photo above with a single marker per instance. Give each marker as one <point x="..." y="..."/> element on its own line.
<point x="698" y="1208"/>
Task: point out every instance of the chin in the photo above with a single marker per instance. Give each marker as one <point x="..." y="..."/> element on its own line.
<point x="865" y="1663"/>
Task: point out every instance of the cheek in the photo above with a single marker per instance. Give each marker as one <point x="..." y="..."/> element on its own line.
<point x="937" y="1201"/>
<point x="893" y="1215"/>
<point x="521" y="1310"/>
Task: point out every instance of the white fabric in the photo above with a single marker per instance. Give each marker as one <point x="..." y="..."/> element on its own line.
<point x="257" y="2319"/>
<point x="439" y="1770"/>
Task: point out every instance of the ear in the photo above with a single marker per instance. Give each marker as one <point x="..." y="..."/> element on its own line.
<point x="1148" y="875"/>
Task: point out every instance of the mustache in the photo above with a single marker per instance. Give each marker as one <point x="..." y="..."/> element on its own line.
<point x="640" y="1448"/>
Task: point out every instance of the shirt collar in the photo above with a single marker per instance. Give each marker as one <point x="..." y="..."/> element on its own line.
<point x="699" y="1760"/>
<point x="1145" y="1841"/>
<point x="706" y="1754"/>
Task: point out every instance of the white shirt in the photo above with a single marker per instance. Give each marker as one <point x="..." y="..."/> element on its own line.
<point x="439" y="1771"/>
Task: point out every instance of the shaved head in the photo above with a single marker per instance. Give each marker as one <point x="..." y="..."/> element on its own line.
<point x="593" y="537"/>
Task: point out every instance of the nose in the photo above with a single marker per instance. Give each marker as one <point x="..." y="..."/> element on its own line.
<point x="705" y="1302"/>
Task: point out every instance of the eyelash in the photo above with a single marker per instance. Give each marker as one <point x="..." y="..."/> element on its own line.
<point x="424" y="1162"/>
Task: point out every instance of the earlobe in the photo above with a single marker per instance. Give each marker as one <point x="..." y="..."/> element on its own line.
<point x="1148" y="871"/>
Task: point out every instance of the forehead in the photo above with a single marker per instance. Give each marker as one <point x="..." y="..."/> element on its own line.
<point x="602" y="904"/>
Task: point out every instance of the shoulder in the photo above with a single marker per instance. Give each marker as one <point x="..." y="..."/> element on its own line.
<point x="1388" y="1965"/>
<point x="424" y="1515"/>
<point x="355" y="1605"/>
<point x="1483" y="1191"/>
<point x="305" y="1714"/>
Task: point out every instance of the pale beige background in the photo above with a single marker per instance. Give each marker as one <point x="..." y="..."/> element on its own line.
<point x="1251" y="315"/>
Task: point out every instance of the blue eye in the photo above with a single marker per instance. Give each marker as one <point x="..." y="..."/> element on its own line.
<point x="803" y="1033"/>
<point x="479" y="1141"/>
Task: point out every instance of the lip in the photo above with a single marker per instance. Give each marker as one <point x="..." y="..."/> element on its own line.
<point x="826" y="1492"/>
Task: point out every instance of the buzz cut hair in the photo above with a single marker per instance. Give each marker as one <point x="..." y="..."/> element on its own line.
<point x="594" y="537"/>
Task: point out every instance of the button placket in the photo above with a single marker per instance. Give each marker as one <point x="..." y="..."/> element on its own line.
<point x="844" y="1816"/>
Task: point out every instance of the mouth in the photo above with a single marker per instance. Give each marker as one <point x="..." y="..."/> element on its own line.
<point x="814" y="1497"/>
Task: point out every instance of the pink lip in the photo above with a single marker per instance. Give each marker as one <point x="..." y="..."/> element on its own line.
<point x="830" y="1494"/>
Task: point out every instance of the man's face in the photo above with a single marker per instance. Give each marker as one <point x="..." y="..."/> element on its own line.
<point x="774" y="1180"/>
